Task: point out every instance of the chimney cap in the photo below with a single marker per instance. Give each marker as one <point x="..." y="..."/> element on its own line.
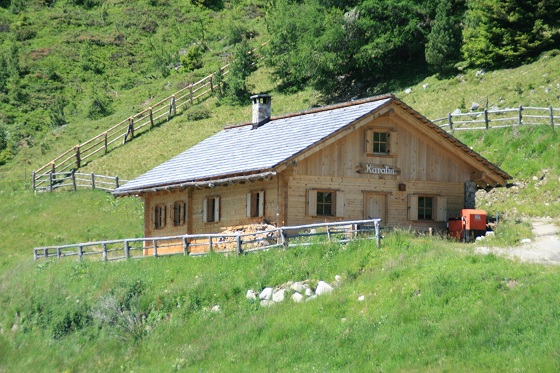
<point x="264" y="96"/>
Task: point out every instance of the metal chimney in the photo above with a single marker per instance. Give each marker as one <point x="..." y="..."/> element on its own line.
<point x="261" y="109"/>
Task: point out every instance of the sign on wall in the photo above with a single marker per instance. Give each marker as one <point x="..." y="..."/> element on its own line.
<point x="377" y="169"/>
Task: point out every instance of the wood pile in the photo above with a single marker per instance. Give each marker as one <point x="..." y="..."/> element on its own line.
<point x="261" y="239"/>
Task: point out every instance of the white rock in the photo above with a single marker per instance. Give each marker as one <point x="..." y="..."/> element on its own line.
<point x="216" y="309"/>
<point x="338" y="278"/>
<point x="311" y="298"/>
<point x="424" y="86"/>
<point x="297" y="297"/>
<point x="525" y="240"/>
<point x="490" y="233"/>
<point x="408" y="90"/>
<point x="323" y="288"/>
<point x="361" y="298"/>
<point x="456" y="111"/>
<point x="266" y="303"/>
<point x="266" y="294"/>
<point x="297" y="286"/>
<point x="279" y="296"/>
<point x="309" y="292"/>
<point x="251" y="296"/>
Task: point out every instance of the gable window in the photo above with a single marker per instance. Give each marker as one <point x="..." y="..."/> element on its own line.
<point x="211" y="210"/>
<point x="381" y="142"/>
<point x="255" y="204"/>
<point x="322" y="202"/>
<point x="159" y="216"/>
<point x="427" y="208"/>
<point x="179" y="213"/>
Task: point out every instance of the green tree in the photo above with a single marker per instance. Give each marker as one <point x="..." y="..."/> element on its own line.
<point x="243" y="64"/>
<point x="443" y="49"/>
<point x="508" y="32"/>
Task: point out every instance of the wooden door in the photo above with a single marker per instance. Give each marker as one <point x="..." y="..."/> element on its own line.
<point x="375" y="206"/>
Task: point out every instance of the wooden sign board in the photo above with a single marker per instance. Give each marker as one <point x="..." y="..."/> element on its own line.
<point x="377" y="169"/>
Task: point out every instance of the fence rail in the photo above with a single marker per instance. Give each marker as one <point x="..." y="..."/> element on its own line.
<point x="204" y="244"/>
<point x="73" y="180"/>
<point x="489" y="119"/>
<point x="127" y="129"/>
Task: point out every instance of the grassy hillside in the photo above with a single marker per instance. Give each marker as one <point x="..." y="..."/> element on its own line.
<point x="429" y="304"/>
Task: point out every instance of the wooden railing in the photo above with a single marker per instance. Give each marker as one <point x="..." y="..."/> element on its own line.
<point x="74" y="180"/>
<point x="124" y="131"/>
<point x="488" y="119"/>
<point x="203" y="244"/>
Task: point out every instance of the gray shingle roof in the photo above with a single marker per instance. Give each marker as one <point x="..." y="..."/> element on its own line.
<point x="244" y="150"/>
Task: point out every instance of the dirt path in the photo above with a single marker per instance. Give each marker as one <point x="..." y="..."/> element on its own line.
<point x="544" y="248"/>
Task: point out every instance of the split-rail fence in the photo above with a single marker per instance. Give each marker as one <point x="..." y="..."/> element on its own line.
<point x="75" y="180"/>
<point x="125" y="130"/>
<point x="489" y="119"/>
<point x="204" y="244"/>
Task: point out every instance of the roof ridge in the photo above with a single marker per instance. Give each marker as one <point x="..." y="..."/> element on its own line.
<point x="320" y="109"/>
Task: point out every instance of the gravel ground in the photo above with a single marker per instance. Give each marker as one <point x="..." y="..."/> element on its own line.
<point x="543" y="249"/>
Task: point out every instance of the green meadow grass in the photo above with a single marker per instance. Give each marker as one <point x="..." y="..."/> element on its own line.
<point x="429" y="305"/>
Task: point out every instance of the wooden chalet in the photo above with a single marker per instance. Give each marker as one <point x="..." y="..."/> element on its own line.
<point x="372" y="158"/>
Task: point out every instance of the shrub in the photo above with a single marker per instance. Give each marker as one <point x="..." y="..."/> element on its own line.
<point x="100" y="107"/>
<point x="198" y="113"/>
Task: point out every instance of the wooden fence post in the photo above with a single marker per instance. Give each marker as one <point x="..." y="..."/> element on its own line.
<point x="131" y="126"/>
<point x="174" y="106"/>
<point x="74" y="180"/>
<point x="116" y="182"/>
<point x="171" y="105"/>
<point x="238" y="242"/>
<point x="284" y="238"/>
<point x="551" y="117"/>
<point x="190" y="94"/>
<point x="486" y="118"/>
<point x="106" y="144"/>
<point x="33" y="184"/>
<point x="520" y="119"/>
<point x="92" y="181"/>
<point x="155" y="248"/>
<point x="58" y="253"/>
<point x="211" y="83"/>
<point x="210" y="243"/>
<point x="126" y="249"/>
<point x="80" y="253"/>
<point x="53" y="169"/>
<point x="185" y="245"/>
<point x="377" y="234"/>
<point x="450" y="120"/>
<point x="78" y="158"/>
<point x="50" y="182"/>
<point x="104" y="252"/>
<point x="151" y="117"/>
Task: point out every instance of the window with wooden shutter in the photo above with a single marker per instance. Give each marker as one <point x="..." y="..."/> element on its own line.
<point x="160" y="215"/>
<point x="178" y="213"/>
<point x="211" y="210"/>
<point x="325" y="203"/>
<point x="379" y="142"/>
<point x="393" y="142"/>
<point x="255" y="204"/>
<point x="412" y="207"/>
<point x="440" y="208"/>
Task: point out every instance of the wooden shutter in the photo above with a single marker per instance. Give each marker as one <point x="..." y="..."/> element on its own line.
<point x="248" y="207"/>
<point x="205" y="210"/>
<point x="217" y="209"/>
<point x="393" y="142"/>
<point x="441" y="208"/>
<point x="412" y="207"/>
<point x="339" y="199"/>
<point x="261" y="203"/>
<point x="153" y="217"/>
<point x="312" y="202"/>
<point x="369" y="141"/>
